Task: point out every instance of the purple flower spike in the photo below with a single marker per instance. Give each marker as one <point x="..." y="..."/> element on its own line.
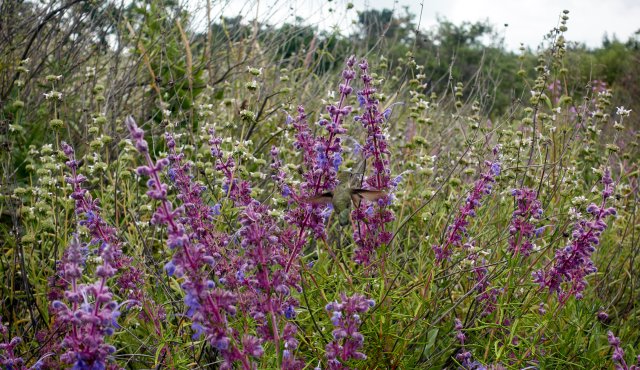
<point x="370" y="224"/>
<point x="347" y="341"/>
<point x="267" y="269"/>
<point x="572" y="264"/>
<point x="208" y="306"/>
<point x="521" y="230"/>
<point x="8" y="358"/>
<point x="618" y="354"/>
<point x="464" y="357"/>
<point x="458" y="230"/>
<point x="103" y="234"/>
<point x="322" y="155"/>
<point x="91" y="321"/>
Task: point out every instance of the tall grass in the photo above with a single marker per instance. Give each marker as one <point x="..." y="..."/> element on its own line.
<point x="236" y="199"/>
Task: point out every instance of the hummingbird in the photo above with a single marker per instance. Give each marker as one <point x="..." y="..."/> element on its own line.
<point x="343" y="195"/>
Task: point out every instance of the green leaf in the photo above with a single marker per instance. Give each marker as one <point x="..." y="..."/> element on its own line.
<point x="432" y="335"/>
<point x="547" y="101"/>
<point x="498" y="350"/>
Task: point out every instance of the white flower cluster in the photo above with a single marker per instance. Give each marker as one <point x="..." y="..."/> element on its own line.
<point x="53" y="95"/>
<point x="623" y="112"/>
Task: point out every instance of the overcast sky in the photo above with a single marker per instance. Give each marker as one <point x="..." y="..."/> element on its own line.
<point x="528" y="21"/>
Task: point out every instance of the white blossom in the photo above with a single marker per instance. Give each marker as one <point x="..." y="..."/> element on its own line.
<point x="623" y="112"/>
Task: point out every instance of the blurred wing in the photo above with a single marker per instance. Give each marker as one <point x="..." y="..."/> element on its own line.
<point x="324" y="198"/>
<point x="357" y="195"/>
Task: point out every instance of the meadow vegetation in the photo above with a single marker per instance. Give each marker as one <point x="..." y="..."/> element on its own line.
<point x="255" y="196"/>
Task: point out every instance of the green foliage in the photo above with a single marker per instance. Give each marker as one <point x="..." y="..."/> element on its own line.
<point x="453" y="96"/>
